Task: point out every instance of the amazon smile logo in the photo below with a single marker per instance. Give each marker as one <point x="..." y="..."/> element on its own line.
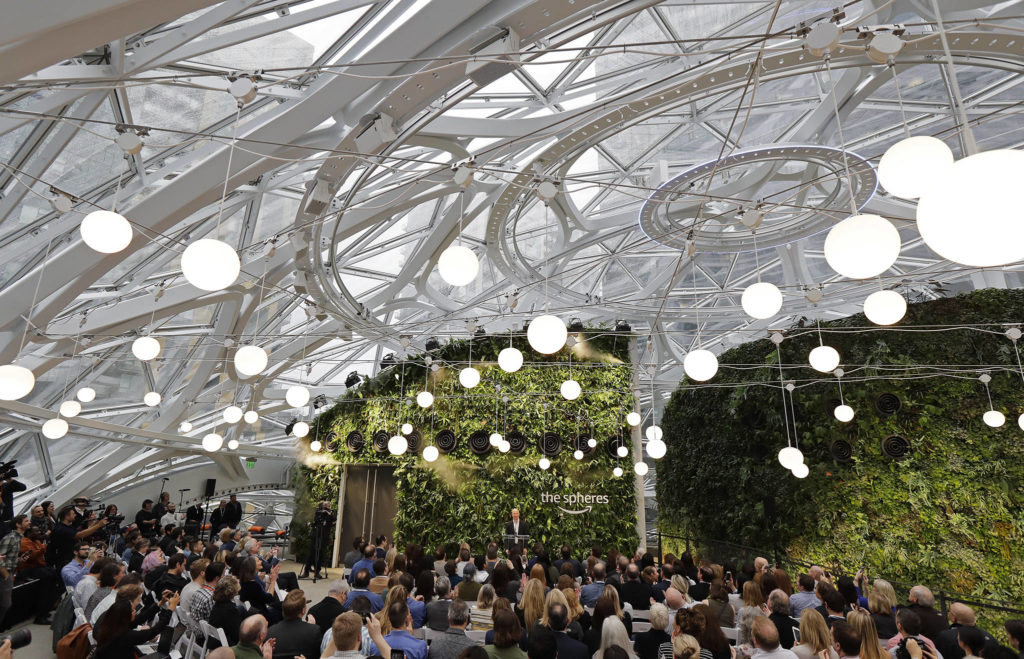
<point x="574" y="501"/>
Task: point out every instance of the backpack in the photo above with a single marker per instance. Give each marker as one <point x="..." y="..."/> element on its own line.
<point x="75" y="644"/>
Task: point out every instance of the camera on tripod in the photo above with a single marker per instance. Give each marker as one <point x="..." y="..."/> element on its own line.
<point x="323" y="517"/>
<point x="8" y="470"/>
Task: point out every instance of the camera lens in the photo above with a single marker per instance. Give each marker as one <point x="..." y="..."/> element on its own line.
<point x="19" y="638"/>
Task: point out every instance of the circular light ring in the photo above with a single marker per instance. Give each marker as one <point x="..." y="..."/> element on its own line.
<point x="480" y="442"/>
<point x="232" y="444"/>
<point x="801" y="470"/>
<point x="446" y="441"/>
<point x="354" y="441"/>
<point x="331" y="441"/>
<point x="517" y="442"/>
<point x="617" y="472"/>
<point x="314" y="446"/>
<point x="895" y="447"/>
<point x="841" y="450"/>
<point x="658" y="220"/>
<point x="549" y="444"/>
<point x="888" y="403"/>
<point x="790" y="456"/>
<point x="380" y="441"/>
<point x="544" y="464"/>
<point x="407" y="428"/>
<point x="654" y="432"/>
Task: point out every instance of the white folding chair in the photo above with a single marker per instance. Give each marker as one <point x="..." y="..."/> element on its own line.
<point x="430" y="635"/>
<point x="796" y="634"/>
<point x="214" y="632"/>
<point x="477" y="637"/>
<point x="641" y="614"/>
<point x="731" y="633"/>
<point x="641" y="626"/>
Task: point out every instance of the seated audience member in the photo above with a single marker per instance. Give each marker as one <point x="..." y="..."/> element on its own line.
<point x="718" y="602"/>
<point x="437" y="609"/>
<point x="331" y="606"/>
<point x="908" y="624"/>
<point x="79" y="565"/>
<point x="603" y="610"/>
<point x="804" y="597"/>
<point x="778" y="604"/>
<point x="224" y="613"/>
<point x="351" y="638"/>
<point x="845" y="639"/>
<point x="365" y="563"/>
<point x="252" y="637"/>
<point x="400" y="637"/>
<point x="699" y="591"/>
<point x="110" y="577"/>
<point x="507" y="634"/>
<point x="261" y="597"/>
<point x="870" y="644"/>
<point x="154" y="559"/>
<point x="590" y="592"/>
<point x="566" y="557"/>
<point x="88" y="584"/>
<point x="634" y="591"/>
<point x="480" y="616"/>
<point x="454" y="640"/>
<point x="814" y="636"/>
<point x="835" y="605"/>
<point x="922" y="602"/>
<point x="357" y="553"/>
<point x="765" y="639"/>
<point x="360" y="582"/>
<point x="469" y="588"/>
<point x="202" y="600"/>
<point x="948" y="641"/>
<point x="572" y="629"/>
<point x="417" y="609"/>
<point x="504" y="582"/>
<point x="753" y="599"/>
<point x="293" y="636"/>
<point x="705" y="628"/>
<point x="197" y="571"/>
<point x="379" y="583"/>
<point x="881" y="604"/>
<point x="116" y="635"/>
<point x="646" y="643"/>
<point x="613" y="635"/>
<point x="126" y="588"/>
<point x="543" y="644"/>
<point x="682" y="646"/>
<point x="449" y="570"/>
<point x="531" y="608"/>
<point x="972" y="641"/>
<point x="1015" y="631"/>
<point x="173" y="579"/>
<point x="621" y="612"/>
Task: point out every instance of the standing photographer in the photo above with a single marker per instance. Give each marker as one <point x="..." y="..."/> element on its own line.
<point x="8" y="486"/>
<point x="323" y="518"/>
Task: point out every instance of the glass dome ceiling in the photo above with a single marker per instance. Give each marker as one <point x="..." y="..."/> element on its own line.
<point x="622" y="104"/>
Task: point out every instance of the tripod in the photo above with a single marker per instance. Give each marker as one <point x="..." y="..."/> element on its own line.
<point x="321" y="521"/>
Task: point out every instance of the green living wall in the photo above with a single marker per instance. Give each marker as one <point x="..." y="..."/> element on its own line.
<point x="949" y="514"/>
<point x="465" y="496"/>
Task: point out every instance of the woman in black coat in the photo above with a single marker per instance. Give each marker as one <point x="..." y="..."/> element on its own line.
<point x="225" y="614"/>
<point x="115" y="634"/>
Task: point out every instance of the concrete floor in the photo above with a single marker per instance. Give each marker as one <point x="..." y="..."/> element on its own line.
<point x="42" y="636"/>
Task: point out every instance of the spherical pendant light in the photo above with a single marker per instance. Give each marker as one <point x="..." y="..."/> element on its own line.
<point x="55" y="428"/>
<point x="300" y="429"/>
<point x="430" y="453"/>
<point x="212" y="442"/>
<point x="974" y="215"/>
<point x="641" y="468"/>
<point x="210" y="265"/>
<point x="469" y="377"/>
<point x="504" y="446"/>
<point x="106" y="232"/>
<point x="232" y="414"/>
<point x="633" y="419"/>
<point x="406" y="428"/>
<point x="458" y="265"/>
<point x="232" y="444"/>
<point x="994" y="418"/>
<point x="700" y="365"/>
<point x="761" y="300"/>
<point x="862" y="246"/>
<point x="495" y="439"/>
<point x="250" y="360"/>
<point x="315" y="446"/>
<point x="885" y="307"/>
<point x="824" y="359"/>
<point x="398" y="445"/>
<point x="424" y="399"/>
<point x="656" y="449"/>
<point x="571" y="390"/>
<point x="653" y="433"/>
<point x="547" y="334"/>
<point x="544" y="463"/>
<point x="296" y="396"/>
<point x="70" y="408"/>
<point x="622" y="451"/>
<point x="592" y="443"/>
<point x="251" y="416"/>
<point x="16" y="382"/>
<point x="85" y="394"/>
<point x="184" y="427"/>
<point x="145" y="348"/>
<point x="152" y="398"/>
<point x="617" y="471"/>
<point x="1020" y="421"/>
<point x="801" y="470"/>
<point x="790" y="457"/>
<point x="913" y="165"/>
<point x="843" y="413"/>
<point x="510" y="360"/>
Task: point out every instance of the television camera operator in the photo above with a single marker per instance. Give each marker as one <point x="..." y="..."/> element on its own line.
<point x="8" y="486"/>
<point x="319" y="535"/>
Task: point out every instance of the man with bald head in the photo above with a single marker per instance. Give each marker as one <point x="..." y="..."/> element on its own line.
<point x="765" y="638"/>
<point x="252" y="639"/>
<point x="922" y="602"/>
<point x="960" y="616"/>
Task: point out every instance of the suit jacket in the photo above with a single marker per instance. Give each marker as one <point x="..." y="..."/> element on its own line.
<point x="933" y="623"/>
<point x="646" y="644"/>
<point x="233" y="514"/>
<point x="295" y="637"/>
<point x="524" y="528"/>
<point x="947" y="642"/>
<point x="437" y="615"/>
<point x="449" y="646"/>
<point x="699" y="591"/>
<point x="325" y="611"/>
<point x="785" y="625"/>
<point x="194" y="513"/>
<point x="570" y="649"/>
<point x="637" y="593"/>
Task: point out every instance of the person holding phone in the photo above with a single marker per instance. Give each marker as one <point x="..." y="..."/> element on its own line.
<point x="401" y="641"/>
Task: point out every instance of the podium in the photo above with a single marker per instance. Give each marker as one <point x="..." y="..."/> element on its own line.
<point x="516" y="540"/>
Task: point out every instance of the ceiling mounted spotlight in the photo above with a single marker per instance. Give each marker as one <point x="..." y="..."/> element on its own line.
<point x="622" y="326"/>
<point x="352" y="380"/>
<point x="288" y="427"/>
<point x="432" y="344"/>
<point x="575" y="325"/>
<point x="320" y="401"/>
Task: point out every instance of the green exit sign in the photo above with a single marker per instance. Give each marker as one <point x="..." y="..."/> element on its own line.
<point x="250" y="463"/>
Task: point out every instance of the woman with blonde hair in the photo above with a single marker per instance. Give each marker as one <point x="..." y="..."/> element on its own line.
<point x="814" y="637"/>
<point x="396" y="594"/>
<point x="626" y="615"/>
<point x="680" y="584"/>
<point x="556" y="596"/>
<point x="480" y="617"/>
<point x="870" y="645"/>
<point x="881" y="602"/>
<point x="531" y="607"/>
<point x="577" y="613"/>
<point x="614" y="633"/>
<point x="753" y="606"/>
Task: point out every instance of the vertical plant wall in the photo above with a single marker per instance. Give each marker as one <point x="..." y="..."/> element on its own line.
<point x="916" y="487"/>
<point x="465" y="495"/>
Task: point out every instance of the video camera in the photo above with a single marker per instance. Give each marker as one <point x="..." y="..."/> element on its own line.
<point x="8" y="470"/>
<point x="323" y="516"/>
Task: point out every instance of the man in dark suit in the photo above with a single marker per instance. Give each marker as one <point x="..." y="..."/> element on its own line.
<point x="330" y="607"/>
<point x="699" y="591"/>
<point x="193" y="519"/>
<point x="517" y="527"/>
<point x="568" y="648"/>
<point x="947" y="642"/>
<point x="454" y="641"/>
<point x="294" y="636"/>
<point x="217" y="519"/>
<point x="566" y="552"/>
<point x="922" y="602"/>
<point x="635" y="592"/>
<point x="233" y="513"/>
